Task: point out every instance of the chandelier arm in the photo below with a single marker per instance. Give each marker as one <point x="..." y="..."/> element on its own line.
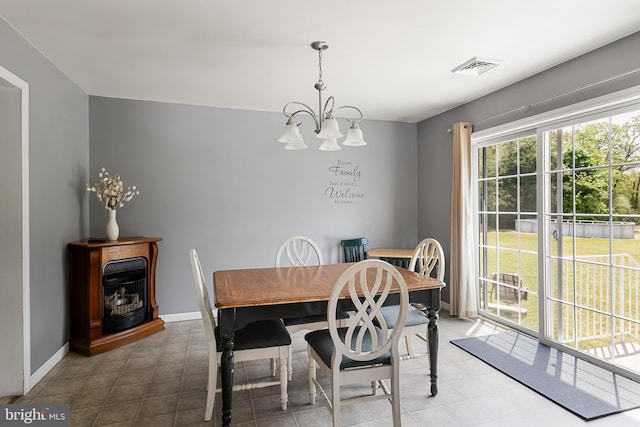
<point x="328" y="112"/>
<point x="306" y="109"/>
<point x="352" y="120"/>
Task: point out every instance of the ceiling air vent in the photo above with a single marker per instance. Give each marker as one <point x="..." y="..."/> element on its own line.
<point x="476" y="66"/>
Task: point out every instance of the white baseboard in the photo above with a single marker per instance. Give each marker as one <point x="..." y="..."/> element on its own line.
<point x="445" y="306"/>
<point x="179" y="317"/>
<point x="43" y="370"/>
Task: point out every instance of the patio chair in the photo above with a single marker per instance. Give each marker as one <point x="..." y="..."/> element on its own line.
<point x="507" y="292"/>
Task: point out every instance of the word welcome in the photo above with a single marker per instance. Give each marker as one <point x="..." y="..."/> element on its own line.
<point x="337" y="193"/>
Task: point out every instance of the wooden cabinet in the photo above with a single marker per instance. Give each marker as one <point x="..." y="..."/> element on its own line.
<point x="87" y="261"/>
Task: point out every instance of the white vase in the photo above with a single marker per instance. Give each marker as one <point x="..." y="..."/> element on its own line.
<point x="113" y="231"/>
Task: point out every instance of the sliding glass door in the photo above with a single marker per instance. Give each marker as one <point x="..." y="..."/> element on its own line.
<point x="592" y="260"/>
<point x="558" y="210"/>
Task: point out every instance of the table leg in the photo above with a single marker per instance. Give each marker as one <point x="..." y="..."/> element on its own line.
<point x="227" y="331"/>
<point x="433" y="349"/>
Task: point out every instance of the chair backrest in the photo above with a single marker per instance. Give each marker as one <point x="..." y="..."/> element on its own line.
<point x="367" y="283"/>
<point x="300" y="251"/>
<point x="355" y="250"/>
<point x="203" y="298"/>
<point x="507" y="287"/>
<point x="428" y="259"/>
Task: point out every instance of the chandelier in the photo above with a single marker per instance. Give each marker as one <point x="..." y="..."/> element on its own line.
<point x="326" y="125"/>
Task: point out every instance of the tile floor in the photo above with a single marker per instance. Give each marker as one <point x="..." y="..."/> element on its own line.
<point x="161" y="379"/>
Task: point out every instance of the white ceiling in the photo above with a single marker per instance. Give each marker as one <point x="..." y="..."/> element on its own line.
<point x="392" y="59"/>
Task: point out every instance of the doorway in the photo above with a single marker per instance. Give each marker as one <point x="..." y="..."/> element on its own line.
<point x="14" y="235"/>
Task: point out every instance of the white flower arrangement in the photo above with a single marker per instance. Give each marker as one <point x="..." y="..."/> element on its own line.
<point x="110" y="190"/>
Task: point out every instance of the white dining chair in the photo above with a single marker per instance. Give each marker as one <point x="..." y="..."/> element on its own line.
<point x="257" y="341"/>
<point x="427" y="260"/>
<point x="365" y="351"/>
<point x="299" y="251"/>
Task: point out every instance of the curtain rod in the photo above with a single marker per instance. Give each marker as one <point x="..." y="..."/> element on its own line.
<point x="553" y="98"/>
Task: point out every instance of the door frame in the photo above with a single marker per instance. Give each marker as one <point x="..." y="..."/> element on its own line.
<point x="26" y="280"/>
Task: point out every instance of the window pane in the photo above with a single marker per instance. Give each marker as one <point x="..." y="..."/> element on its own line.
<point x="528" y="155"/>
<point x="591" y="144"/>
<point x="560" y="139"/>
<point x="508" y="235"/>
<point x="508" y="158"/>
<point x="508" y="261"/>
<point x="561" y="200"/>
<point x="592" y="191"/>
<point x="508" y="194"/>
<point x="491" y="195"/>
<point x="626" y="187"/>
<point x="625" y="244"/>
<point x="528" y="193"/>
<point x="568" y="196"/>
<point x="529" y="271"/>
<point x="490" y="153"/>
<point x="481" y="159"/>
<point x="491" y="235"/>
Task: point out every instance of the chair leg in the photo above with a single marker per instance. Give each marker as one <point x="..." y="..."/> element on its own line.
<point x="410" y="353"/>
<point x="312" y="378"/>
<point x="211" y="384"/>
<point x="284" y="396"/>
<point x="290" y="364"/>
<point x="272" y="365"/>
<point x="395" y="400"/>
<point x="335" y="398"/>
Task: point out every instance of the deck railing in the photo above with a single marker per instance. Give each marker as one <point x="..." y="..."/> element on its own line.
<point x="607" y="299"/>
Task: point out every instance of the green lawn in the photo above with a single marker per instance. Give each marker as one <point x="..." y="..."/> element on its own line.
<point x="507" y="259"/>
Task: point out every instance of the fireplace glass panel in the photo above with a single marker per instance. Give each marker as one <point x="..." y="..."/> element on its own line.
<point x="124" y="284"/>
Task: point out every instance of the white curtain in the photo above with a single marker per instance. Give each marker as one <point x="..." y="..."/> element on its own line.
<point x="463" y="291"/>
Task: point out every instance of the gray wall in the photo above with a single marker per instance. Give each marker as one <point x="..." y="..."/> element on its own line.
<point x="434" y="143"/>
<point x="59" y="158"/>
<point x="217" y="180"/>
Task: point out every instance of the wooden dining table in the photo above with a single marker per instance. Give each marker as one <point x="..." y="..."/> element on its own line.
<point x="248" y="295"/>
<point x="396" y="256"/>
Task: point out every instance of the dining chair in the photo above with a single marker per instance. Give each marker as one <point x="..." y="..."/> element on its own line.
<point x="299" y="251"/>
<point x="302" y="251"/>
<point x="354" y="249"/>
<point x="427" y="260"/>
<point x="256" y="341"/>
<point x="362" y="352"/>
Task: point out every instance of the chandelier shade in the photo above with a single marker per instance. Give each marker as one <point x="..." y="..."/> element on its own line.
<point x="295" y="145"/>
<point x="326" y="126"/>
<point x="330" y="129"/>
<point x="329" y="144"/>
<point x="291" y="133"/>
<point x="354" y="136"/>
